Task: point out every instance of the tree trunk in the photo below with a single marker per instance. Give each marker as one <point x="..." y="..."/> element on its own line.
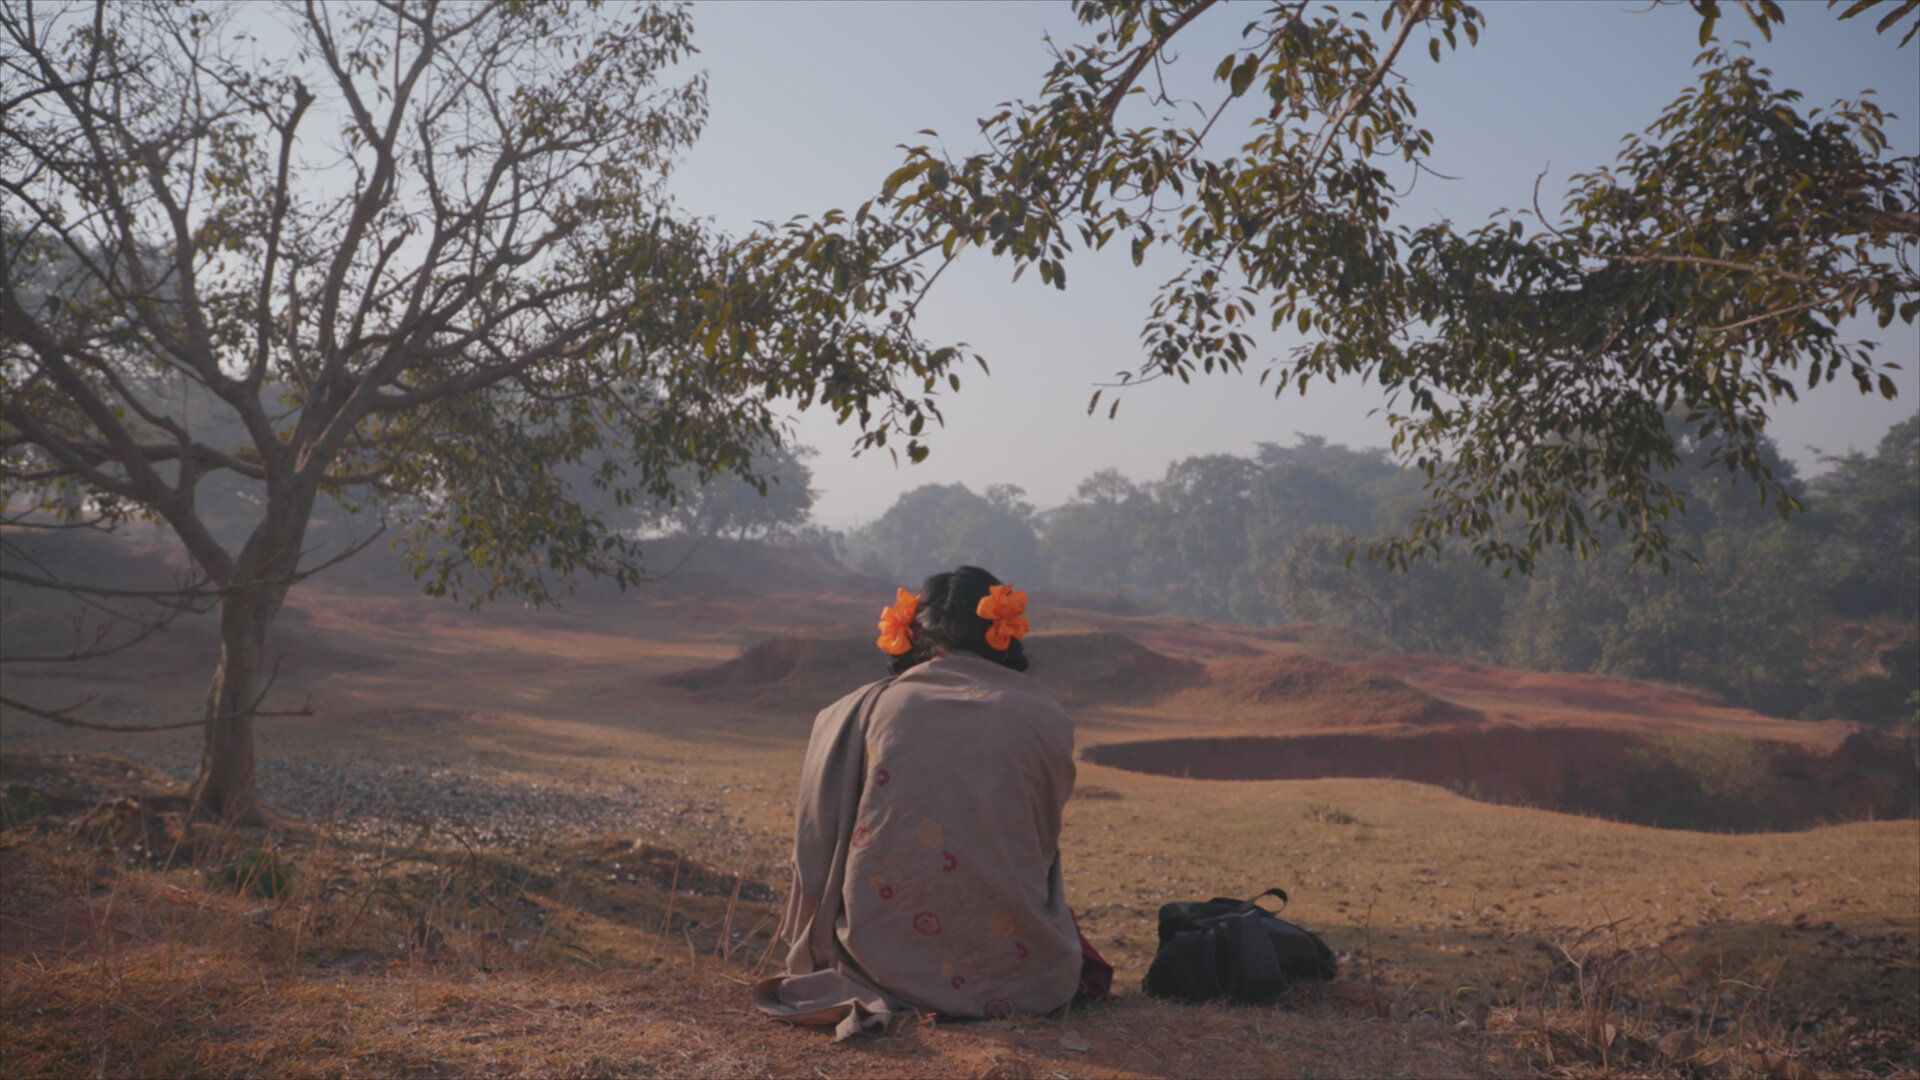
<point x="227" y="788"/>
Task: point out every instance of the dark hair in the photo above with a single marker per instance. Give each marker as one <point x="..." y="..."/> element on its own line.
<point x="947" y="621"/>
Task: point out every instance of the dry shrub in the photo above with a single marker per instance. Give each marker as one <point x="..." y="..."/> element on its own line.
<point x="1611" y="1000"/>
<point x="1330" y="814"/>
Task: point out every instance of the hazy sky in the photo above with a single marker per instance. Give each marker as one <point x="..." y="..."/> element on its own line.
<point x="811" y="102"/>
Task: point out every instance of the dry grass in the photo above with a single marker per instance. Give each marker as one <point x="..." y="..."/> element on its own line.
<point x="603" y="957"/>
<point x="433" y="962"/>
<point x="1577" y="946"/>
<point x="1475" y="939"/>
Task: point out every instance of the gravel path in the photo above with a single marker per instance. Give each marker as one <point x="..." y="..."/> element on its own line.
<point x="481" y="805"/>
<point x="448" y="801"/>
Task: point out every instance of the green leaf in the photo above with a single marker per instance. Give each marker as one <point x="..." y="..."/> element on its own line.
<point x="905" y="173"/>
<point x="1243" y="75"/>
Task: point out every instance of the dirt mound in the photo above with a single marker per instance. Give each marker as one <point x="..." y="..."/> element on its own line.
<point x="1326" y="641"/>
<point x="1100" y="667"/>
<point x="812" y="670"/>
<point x="1077" y="668"/>
<point x="1330" y="694"/>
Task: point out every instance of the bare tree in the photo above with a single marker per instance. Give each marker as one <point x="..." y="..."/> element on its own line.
<point x="413" y="254"/>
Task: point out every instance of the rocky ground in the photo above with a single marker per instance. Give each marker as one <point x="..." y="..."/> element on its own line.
<point x="453" y="798"/>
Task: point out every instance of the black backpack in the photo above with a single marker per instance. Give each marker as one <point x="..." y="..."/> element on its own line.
<point x="1233" y="949"/>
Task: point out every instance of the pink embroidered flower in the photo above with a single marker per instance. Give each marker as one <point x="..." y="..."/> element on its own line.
<point x="949" y="862"/>
<point x="996" y="1008"/>
<point x="1021" y="948"/>
<point x="959" y="981"/>
<point x="862" y="836"/>
<point x="927" y="922"/>
<point x="886" y="892"/>
<point x="881" y="776"/>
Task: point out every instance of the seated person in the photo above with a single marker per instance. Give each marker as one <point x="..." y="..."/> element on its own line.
<point x="926" y="858"/>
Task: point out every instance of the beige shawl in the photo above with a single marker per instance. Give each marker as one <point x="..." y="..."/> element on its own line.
<point x="926" y="863"/>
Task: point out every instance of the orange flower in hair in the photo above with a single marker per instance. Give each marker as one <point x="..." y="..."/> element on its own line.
<point x="1005" y="607"/>
<point x="896" y="623"/>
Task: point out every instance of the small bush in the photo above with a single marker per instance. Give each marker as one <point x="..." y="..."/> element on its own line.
<point x="19" y="805"/>
<point x="259" y="872"/>
<point x="1718" y="781"/>
<point x="1330" y="814"/>
<point x="1724" y="766"/>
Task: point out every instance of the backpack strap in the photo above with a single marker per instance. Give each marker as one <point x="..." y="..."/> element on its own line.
<point x="1279" y="892"/>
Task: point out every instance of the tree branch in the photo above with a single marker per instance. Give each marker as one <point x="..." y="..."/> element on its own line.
<point x="59" y="716"/>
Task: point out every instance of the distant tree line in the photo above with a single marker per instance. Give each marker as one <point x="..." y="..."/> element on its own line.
<point x="1815" y="617"/>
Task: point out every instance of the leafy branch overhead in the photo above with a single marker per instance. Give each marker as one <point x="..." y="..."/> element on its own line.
<point x="1530" y="364"/>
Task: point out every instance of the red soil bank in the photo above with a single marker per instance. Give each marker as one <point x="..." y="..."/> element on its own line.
<point x="1453" y="677"/>
<point x="1682" y="782"/>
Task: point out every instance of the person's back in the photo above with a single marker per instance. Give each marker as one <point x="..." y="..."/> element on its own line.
<point x="926" y="853"/>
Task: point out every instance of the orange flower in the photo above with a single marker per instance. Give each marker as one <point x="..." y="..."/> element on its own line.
<point x="1005" y="607"/>
<point x="896" y="623"/>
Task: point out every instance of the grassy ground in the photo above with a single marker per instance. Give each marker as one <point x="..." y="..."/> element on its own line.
<point x="133" y="947"/>
<point x="1476" y="939"/>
